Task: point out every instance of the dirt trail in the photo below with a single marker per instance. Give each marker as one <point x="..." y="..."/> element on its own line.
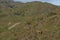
<point x="13" y="26"/>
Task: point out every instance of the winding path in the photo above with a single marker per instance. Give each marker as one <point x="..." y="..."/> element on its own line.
<point x="13" y="26"/>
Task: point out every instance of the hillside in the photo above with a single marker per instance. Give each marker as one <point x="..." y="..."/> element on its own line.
<point x="29" y="21"/>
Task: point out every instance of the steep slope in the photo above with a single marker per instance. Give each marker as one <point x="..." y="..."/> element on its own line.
<point x="37" y="21"/>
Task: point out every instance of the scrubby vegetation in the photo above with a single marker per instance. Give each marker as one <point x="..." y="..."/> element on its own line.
<point x="38" y="20"/>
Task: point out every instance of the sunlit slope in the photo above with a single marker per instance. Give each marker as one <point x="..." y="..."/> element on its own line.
<point x="29" y="21"/>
